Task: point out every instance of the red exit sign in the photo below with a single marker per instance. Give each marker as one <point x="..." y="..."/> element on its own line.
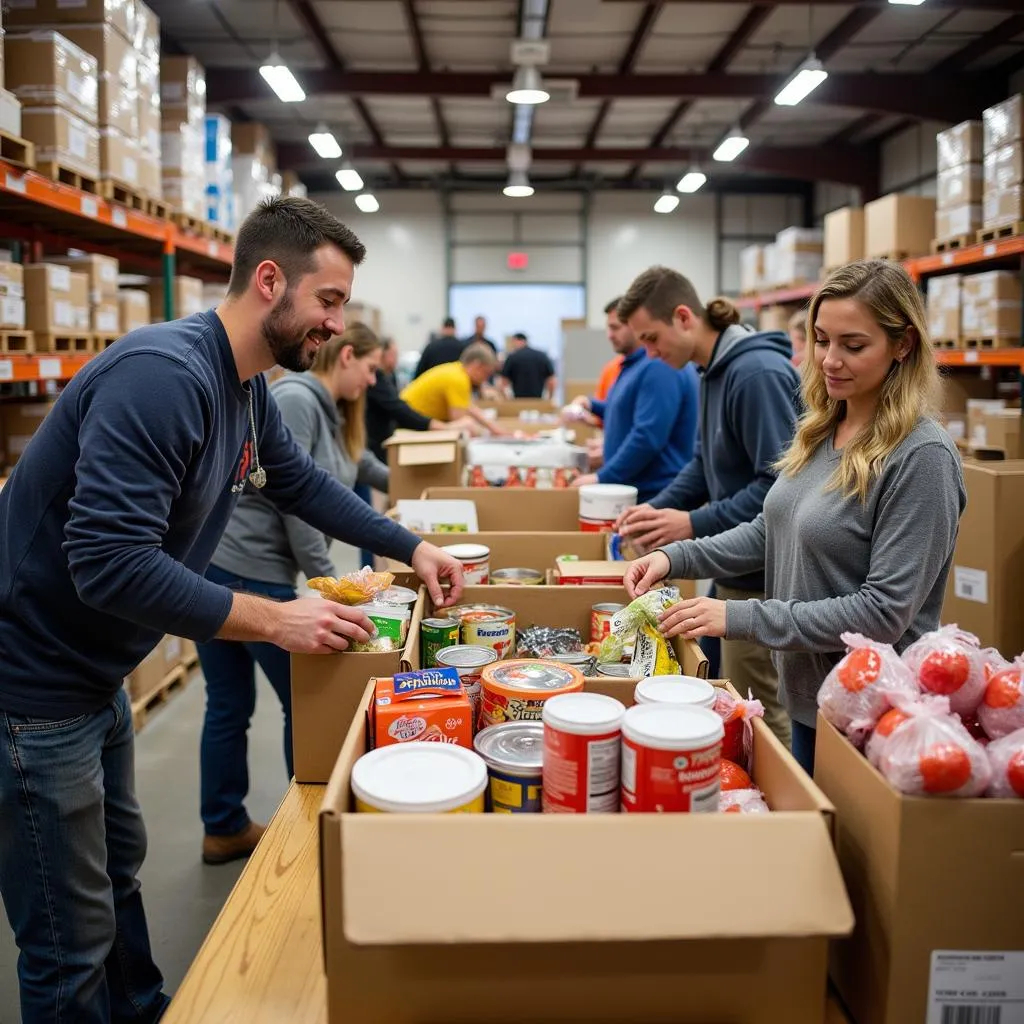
<point x="518" y="261"/>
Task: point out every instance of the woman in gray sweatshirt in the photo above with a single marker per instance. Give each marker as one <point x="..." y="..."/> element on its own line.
<point x="262" y="552"/>
<point x="857" y="532"/>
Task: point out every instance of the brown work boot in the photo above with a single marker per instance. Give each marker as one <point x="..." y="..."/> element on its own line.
<point x="223" y="849"/>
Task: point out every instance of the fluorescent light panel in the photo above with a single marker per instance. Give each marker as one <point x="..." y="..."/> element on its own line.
<point x="527" y="88"/>
<point x="907" y="3"/>
<point x="666" y="203"/>
<point x="730" y="147"/>
<point x="367" y="202"/>
<point x="279" y="77"/>
<point x="809" y="76"/>
<point x="349" y="179"/>
<point x="325" y="144"/>
<point x="691" y="181"/>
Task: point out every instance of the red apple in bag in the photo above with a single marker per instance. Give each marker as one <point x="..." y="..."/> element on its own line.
<point x="949" y="663"/>
<point x="1001" y="710"/>
<point x="1006" y="756"/>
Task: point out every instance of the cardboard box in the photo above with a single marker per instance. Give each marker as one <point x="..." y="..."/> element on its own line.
<point x="145" y="679"/>
<point x="170" y="650"/>
<point x="117" y="63"/>
<point x="774" y="318"/>
<point x="957" y="220"/>
<point x="63" y="138"/>
<point x="149" y="108"/>
<point x="991" y="305"/>
<point x="146" y="36"/>
<point x="45" y="69"/>
<point x="588" y="572"/>
<point x="56" y="299"/>
<point x="187" y="297"/>
<point x="119" y="13"/>
<point x="574" y="388"/>
<point x="10" y="108"/>
<point x="119" y="158"/>
<point x="844" y="236"/>
<point x="1003" y="207"/>
<point x="101" y="271"/>
<point x="421" y="459"/>
<point x="961" y="144"/>
<point x="133" y="308"/>
<point x="1004" y="166"/>
<point x="504" y="511"/>
<point x="182" y="82"/>
<point x="1004" y="122"/>
<point x="898" y="225"/>
<point x="751" y="268"/>
<point x="1002" y="436"/>
<point x="105" y="318"/>
<point x="513" y="408"/>
<point x="923" y="875"/>
<point x="977" y="410"/>
<point x="394" y="717"/>
<point x="328" y="692"/>
<point x="943" y="307"/>
<point x="19" y="422"/>
<point x="12" y="295"/>
<point x="682" y="953"/>
<point x="960" y="186"/>
<point x="150" y="175"/>
<point x="250" y="138"/>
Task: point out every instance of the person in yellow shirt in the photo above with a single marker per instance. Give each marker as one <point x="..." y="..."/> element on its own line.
<point x="445" y="392"/>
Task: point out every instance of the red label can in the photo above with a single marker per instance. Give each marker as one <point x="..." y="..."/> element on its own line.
<point x="582" y="754"/>
<point x="601" y="620"/>
<point x="671" y="756"/>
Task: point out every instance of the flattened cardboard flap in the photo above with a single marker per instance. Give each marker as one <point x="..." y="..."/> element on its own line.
<point x="437" y="453"/>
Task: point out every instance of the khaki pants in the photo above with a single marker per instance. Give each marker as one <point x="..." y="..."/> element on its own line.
<point x="749" y="667"/>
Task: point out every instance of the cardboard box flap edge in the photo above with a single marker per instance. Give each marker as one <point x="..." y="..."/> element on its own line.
<point x="805" y="897"/>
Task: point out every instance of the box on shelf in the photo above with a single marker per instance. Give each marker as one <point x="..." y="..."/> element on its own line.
<point x="105" y="317"/>
<point x="961" y="144"/>
<point x="844" y="237"/>
<point x="149" y="108"/>
<point x="187" y="296"/>
<point x="991" y="305"/>
<point x="898" y="225"/>
<point x="183" y="88"/>
<point x="1003" y="207"/>
<point x="1004" y="167"/>
<point x="943" y="307"/>
<point x="133" y="309"/>
<point x="144" y="680"/>
<point x="12" y="296"/>
<point x="117" y="64"/>
<point x="901" y="858"/>
<point x="250" y="138"/>
<point x="1004" y="122"/>
<point x="775" y="318"/>
<point x="798" y="255"/>
<point x="146" y="35"/>
<point x="751" y="268"/>
<point x="45" y="69"/>
<point x="150" y="175"/>
<point x="957" y="220"/>
<point x="1002" y="436"/>
<point x="63" y="138"/>
<point x="18" y="422"/>
<point x="421" y="459"/>
<point x="101" y="271"/>
<point x="10" y="110"/>
<point x="119" y="158"/>
<point x="960" y="186"/>
<point x="56" y="299"/>
<point x="119" y="13"/>
<point x="770" y="262"/>
<point x="978" y="409"/>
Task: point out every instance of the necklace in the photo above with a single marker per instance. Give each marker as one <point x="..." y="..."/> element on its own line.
<point x="257" y="476"/>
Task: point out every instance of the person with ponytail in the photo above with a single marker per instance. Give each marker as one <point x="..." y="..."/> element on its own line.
<point x="858" y="531"/>
<point x="748" y="409"/>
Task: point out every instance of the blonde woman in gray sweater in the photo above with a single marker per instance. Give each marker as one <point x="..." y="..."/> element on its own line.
<point x="857" y="533"/>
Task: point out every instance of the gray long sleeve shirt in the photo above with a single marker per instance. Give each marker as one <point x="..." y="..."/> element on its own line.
<point x="260" y="542"/>
<point x="835" y="565"/>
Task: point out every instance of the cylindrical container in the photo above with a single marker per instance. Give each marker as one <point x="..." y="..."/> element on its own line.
<point x="475" y="560"/>
<point x="512" y="752"/>
<point x="602" y="504"/>
<point x="675" y="690"/>
<point x="582" y="753"/>
<point x="615" y="670"/>
<point x="586" y="663"/>
<point x="517" y="577"/>
<point x="436" y="635"/>
<point x="420" y="778"/>
<point x="487" y="625"/>
<point x="515" y="691"/>
<point x="469" y="662"/>
<point x="601" y="620"/>
<point x="396" y="595"/>
<point x="671" y="755"/>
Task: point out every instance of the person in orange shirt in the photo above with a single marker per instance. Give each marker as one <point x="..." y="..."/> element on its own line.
<point x="624" y="343"/>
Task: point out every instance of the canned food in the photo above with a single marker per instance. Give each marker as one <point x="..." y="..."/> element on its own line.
<point x="601" y="620"/>
<point x="517" y="577"/>
<point x="487" y="625"/>
<point x="616" y="670"/>
<point x="475" y="560"/>
<point x="582" y="733"/>
<point x="586" y="663"/>
<point x="513" y="754"/>
<point x="671" y="757"/>
<point x="436" y="635"/>
<point x="515" y="691"/>
<point x="396" y="595"/>
<point x="420" y="778"/>
<point x="675" y="690"/>
<point x="469" y="662"/>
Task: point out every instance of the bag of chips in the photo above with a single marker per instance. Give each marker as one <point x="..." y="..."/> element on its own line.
<point x="354" y="587"/>
<point x="652" y="653"/>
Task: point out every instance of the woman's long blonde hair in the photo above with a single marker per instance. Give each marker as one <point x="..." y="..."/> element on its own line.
<point x="908" y="393"/>
<point x="363" y="341"/>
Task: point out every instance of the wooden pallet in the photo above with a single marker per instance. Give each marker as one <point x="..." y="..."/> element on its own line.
<point x="193" y="225"/>
<point x="16" y="150"/>
<point x="176" y="679"/>
<point x="66" y="176"/>
<point x="945" y="343"/>
<point x="104" y="341"/>
<point x="220" y="235"/>
<point x="158" y="208"/>
<point x="115" y="191"/>
<point x="1005" y="231"/>
<point x="191" y="662"/>
<point x="897" y="256"/>
<point x="71" y="342"/>
<point x="952" y="244"/>
<point x="1007" y="341"/>
<point x="17" y="341"/>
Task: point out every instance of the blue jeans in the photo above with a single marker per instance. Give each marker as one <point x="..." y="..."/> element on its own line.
<point x="71" y="845"/>
<point x="712" y="648"/>
<point x="230" y="670"/>
<point x="803" y="746"/>
<point x="364" y="492"/>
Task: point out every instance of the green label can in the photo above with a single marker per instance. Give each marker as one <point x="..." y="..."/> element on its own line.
<point x="435" y="635"/>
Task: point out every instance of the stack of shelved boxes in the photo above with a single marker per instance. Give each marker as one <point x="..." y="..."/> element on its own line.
<point x="990" y="309"/>
<point x="291" y="185"/>
<point x="943" y="306"/>
<point x="147" y="51"/>
<point x="56" y="306"/>
<point x="133" y="309"/>
<point x="12" y="296"/>
<point x="798" y="256"/>
<point x="183" y="117"/>
<point x="253" y="162"/>
<point x="10" y="108"/>
<point x="751" y="269"/>
<point x="1004" y="165"/>
<point x="958" y="200"/>
<point x="186" y="294"/>
<point x="220" y="200"/>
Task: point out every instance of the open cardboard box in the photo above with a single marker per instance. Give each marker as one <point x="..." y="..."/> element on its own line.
<point x="512" y="407"/>
<point x="421" y="458"/>
<point x="327" y="690"/>
<point x="517" y="508"/>
<point x="923" y="875"/>
<point x="688" y="918"/>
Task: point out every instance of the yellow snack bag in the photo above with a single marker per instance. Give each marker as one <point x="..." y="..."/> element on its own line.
<point x="352" y="588"/>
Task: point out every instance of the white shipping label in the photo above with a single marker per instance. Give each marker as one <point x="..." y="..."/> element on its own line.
<point x="50" y="369"/>
<point x="970" y="584"/>
<point x="130" y="170"/>
<point x="12" y="312"/>
<point x="976" y="987"/>
<point x="71" y="3"/>
<point x="6" y="369"/>
<point x="82" y="318"/>
<point x="60" y="278"/>
<point x="78" y="141"/>
<point x="63" y="314"/>
<point x="106" y="323"/>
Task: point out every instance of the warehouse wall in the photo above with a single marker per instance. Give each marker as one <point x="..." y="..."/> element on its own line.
<point x="908" y="160"/>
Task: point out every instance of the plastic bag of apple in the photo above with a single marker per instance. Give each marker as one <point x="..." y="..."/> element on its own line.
<point x="945" y="719"/>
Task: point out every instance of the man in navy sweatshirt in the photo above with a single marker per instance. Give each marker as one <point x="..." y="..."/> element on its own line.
<point x="107" y="525"/>
<point x="749" y="405"/>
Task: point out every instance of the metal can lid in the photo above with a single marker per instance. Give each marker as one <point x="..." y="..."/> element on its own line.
<point x="517" y="574"/>
<point x="608" y="607"/>
<point x="468" y="552"/>
<point x="672" y="726"/>
<point x="466" y="656"/>
<point x="615" y="669"/>
<point x="419" y="777"/>
<point x="675" y="690"/>
<point x="396" y="595"/>
<point x="512" y="746"/>
<point x="583" y="714"/>
<point x="482" y="612"/>
<point x="441" y="623"/>
<point x="533" y="675"/>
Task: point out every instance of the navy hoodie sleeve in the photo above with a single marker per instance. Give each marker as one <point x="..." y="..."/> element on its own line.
<point x="298" y="486"/>
<point x="763" y="411"/>
<point x="134" y="455"/>
<point x="658" y="398"/>
<point x="689" y="490"/>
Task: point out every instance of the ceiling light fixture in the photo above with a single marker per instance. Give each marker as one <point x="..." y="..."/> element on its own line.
<point x="349" y="178"/>
<point x="518" y="186"/>
<point x="691" y="181"/>
<point x="279" y="77"/>
<point x="731" y="146"/>
<point x="666" y="202"/>
<point x="367" y="202"/>
<point x="324" y="142"/>
<point x="907" y="3"/>
<point x="527" y="87"/>
<point x="807" y="78"/>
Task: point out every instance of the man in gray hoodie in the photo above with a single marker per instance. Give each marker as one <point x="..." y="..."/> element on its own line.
<point x="749" y="403"/>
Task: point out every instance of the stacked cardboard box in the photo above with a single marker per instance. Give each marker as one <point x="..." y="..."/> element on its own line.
<point x="187" y="296"/>
<point x="897" y="225"/>
<point x="220" y="198"/>
<point x="253" y="163"/>
<point x="944" y="310"/>
<point x="291" y="185"/>
<point x="10" y="108"/>
<point x="57" y="84"/>
<point x="990" y="314"/>
<point x="18" y="422"/>
<point x="960" y="174"/>
<point x="844" y="237"/>
<point x="1004" y="164"/>
<point x="183" y="136"/>
<point x="12" y="296"/>
<point x="101" y="273"/>
<point x="56" y="303"/>
<point x="133" y="309"/>
<point x="798" y="255"/>
<point x="147" y="50"/>
<point x="751" y="269"/>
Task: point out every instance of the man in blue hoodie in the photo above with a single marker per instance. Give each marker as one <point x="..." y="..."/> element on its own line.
<point x="650" y="422"/>
<point x="749" y="405"/>
<point x="107" y="525"/>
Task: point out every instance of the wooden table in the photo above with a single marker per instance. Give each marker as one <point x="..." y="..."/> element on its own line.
<point x="262" y="962"/>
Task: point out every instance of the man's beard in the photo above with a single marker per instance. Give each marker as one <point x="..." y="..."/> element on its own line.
<point x="286" y="343"/>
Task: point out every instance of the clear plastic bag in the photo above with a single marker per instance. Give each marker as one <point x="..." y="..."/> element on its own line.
<point x="638" y="623"/>
<point x="949" y="663"/>
<point x="1001" y="710"/>
<point x="1006" y="758"/>
<point x="738" y="717"/>
<point x="354" y="587"/>
<point x="932" y="754"/>
<point x="742" y="801"/>
<point x="887" y="724"/>
<point x="861" y="688"/>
